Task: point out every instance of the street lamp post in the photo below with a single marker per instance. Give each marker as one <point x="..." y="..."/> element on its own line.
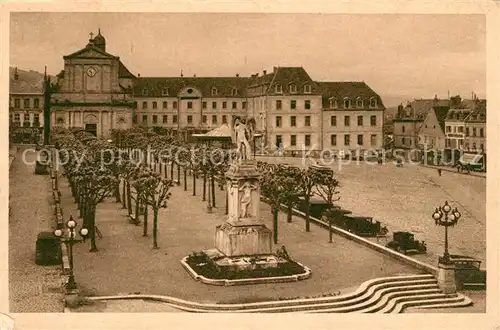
<point x="445" y="216"/>
<point x="70" y="239"/>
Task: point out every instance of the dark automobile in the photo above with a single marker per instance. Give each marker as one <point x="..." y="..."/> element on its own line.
<point x="48" y="249"/>
<point x="316" y="207"/>
<point x="365" y="226"/>
<point x="359" y="225"/>
<point x="404" y="242"/>
<point x="468" y="272"/>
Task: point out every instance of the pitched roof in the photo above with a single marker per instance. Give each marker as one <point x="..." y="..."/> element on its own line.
<point x="286" y="77"/>
<point x="350" y="89"/>
<point x="27" y="82"/>
<point x="441" y="113"/>
<point x="87" y="48"/>
<point x="154" y="85"/>
<point x="123" y="72"/>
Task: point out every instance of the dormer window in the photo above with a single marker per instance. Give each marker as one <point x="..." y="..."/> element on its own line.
<point x="293" y="88"/>
<point x="307" y="89"/>
<point x="144" y="91"/>
<point x="347" y="103"/>
<point x="278" y="89"/>
<point x="214" y="91"/>
<point x="333" y="104"/>
<point x="359" y="103"/>
<point x="373" y="102"/>
<point x="164" y="92"/>
<point x="234" y="92"/>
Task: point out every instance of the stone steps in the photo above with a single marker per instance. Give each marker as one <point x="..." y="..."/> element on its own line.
<point x="382" y="295"/>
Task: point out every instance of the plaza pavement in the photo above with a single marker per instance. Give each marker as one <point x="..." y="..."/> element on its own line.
<point x="126" y="262"/>
<point x="32" y="288"/>
<point x="404" y="199"/>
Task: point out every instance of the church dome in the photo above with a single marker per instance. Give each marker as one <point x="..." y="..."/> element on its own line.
<point x="100" y="41"/>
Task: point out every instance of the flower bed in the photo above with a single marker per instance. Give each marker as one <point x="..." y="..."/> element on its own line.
<point x="205" y="266"/>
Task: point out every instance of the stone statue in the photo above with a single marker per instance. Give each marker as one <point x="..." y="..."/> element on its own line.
<point x="246" y="198"/>
<point x="244" y="133"/>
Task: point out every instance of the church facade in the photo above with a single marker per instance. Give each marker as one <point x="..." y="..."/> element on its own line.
<point x="95" y="91"/>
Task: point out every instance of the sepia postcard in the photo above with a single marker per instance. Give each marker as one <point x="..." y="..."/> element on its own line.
<point x="256" y="163"/>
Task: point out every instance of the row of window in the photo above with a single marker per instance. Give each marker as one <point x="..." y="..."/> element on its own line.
<point x="189" y="119"/>
<point x="204" y="105"/>
<point x="347" y="121"/>
<point x="293" y="121"/>
<point x="292" y="88"/>
<point x="293" y="104"/>
<point x="349" y="104"/>
<point x="214" y="91"/>
<point x="466" y="145"/>
<point x="460" y="129"/>
<point x="26" y="119"/>
<point x="27" y="103"/>
<point x="333" y="140"/>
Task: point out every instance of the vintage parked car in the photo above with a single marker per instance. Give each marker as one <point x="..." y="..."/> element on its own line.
<point x="404" y="242"/>
<point x="468" y="272"/>
<point x="365" y="226"/>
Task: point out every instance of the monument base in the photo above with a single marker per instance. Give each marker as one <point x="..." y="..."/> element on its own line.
<point x="446" y="278"/>
<point x="235" y="239"/>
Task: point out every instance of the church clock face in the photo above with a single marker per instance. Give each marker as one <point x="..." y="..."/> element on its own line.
<point x="91" y="71"/>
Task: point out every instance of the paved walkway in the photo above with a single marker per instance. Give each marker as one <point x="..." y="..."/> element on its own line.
<point x="32" y="288"/>
<point x="454" y="170"/>
<point x="125" y="262"/>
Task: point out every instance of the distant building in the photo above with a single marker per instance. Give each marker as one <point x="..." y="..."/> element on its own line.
<point x="25" y="108"/>
<point x="431" y="135"/>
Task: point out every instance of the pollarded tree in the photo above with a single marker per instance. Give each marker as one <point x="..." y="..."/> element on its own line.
<point x="99" y="183"/>
<point x="327" y="189"/>
<point x="275" y="182"/>
<point x="307" y="181"/>
<point x="155" y="193"/>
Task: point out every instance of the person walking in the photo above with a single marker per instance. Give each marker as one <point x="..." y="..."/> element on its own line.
<point x="439" y="171"/>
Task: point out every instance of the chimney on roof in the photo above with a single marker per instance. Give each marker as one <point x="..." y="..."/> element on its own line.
<point x="264" y="72"/>
<point x="139" y="75"/>
<point x="237" y="75"/>
<point x="182" y="75"/>
<point x="194" y="76"/>
<point x="16" y="75"/>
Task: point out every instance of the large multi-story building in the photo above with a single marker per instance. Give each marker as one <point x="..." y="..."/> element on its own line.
<point x="292" y="111"/>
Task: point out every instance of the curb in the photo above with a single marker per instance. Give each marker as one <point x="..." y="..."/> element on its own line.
<point x="456" y="172"/>
<point x="246" y="281"/>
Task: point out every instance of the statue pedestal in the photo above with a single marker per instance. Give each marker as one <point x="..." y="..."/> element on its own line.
<point x="446" y="278"/>
<point x="243" y="240"/>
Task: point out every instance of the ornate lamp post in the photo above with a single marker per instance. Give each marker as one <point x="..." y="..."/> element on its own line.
<point x="70" y="239"/>
<point x="445" y="216"/>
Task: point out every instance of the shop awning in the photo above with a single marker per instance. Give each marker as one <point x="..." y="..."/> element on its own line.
<point x="471" y="159"/>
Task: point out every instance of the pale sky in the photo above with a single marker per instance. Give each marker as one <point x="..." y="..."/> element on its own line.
<point x="399" y="56"/>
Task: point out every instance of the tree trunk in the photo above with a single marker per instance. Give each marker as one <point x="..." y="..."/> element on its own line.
<point x="226" y="210"/>
<point x="185" y="179"/>
<point x="275" y="211"/>
<point x="172" y="171"/>
<point x="213" y="190"/>
<point x="330" y="232"/>
<point x="178" y="174"/>
<point x="194" y="184"/>
<point x="129" y="198"/>
<point x="124" y="194"/>
<point x="137" y="206"/>
<point x="117" y="192"/>
<point x="289" y="213"/>
<point x="91" y="215"/>
<point x="204" y="187"/>
<point x="155" y="228"/>
<point x="145" y="228"/>
<point x="165" y="171"/>
<point x="308" y="213"/>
